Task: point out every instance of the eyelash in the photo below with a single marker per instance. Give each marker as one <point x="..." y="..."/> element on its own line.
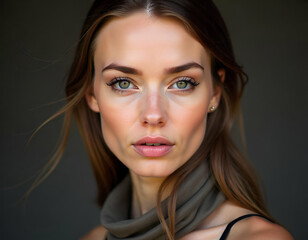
<point x="116" y="80"/>
<point x="188" y="80"/>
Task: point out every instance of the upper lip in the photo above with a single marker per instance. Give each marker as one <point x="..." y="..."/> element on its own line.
<point x="153" y="139"/>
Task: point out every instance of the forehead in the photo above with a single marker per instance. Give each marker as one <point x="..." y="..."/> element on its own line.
<point x="139" y="36"/>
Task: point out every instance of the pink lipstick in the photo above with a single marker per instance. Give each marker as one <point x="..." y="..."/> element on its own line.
<point x="153" y="146"/>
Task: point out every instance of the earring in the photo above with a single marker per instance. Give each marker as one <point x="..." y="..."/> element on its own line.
<point x="212" y="109"/>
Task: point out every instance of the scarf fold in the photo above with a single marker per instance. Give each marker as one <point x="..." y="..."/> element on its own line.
<point x="197" y="198"/>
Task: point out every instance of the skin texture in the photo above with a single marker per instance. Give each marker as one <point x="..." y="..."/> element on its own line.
<point x="154" y="107"/>
<point x="153" y="104"/>
<point x="150" y="103"/>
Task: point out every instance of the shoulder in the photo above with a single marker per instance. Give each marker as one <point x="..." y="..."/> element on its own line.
<point x="97" y="233"/>
<point x="258" y="228"/>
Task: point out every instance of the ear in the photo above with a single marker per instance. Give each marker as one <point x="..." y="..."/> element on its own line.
<point x="91" y="99"/>
<point x="217" y="90"/>
<point x="222" y="74"/>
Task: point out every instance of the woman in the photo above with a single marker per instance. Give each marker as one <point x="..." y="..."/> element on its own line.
<point x="154" y="88"/>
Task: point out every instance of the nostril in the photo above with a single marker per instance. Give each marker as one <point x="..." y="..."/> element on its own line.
<point x="154" y="122"/>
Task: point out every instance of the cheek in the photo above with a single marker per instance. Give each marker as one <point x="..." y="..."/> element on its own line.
<point x="195" y="120"/>
<point x="190" y="121"/>
<point x="116" y="121"/>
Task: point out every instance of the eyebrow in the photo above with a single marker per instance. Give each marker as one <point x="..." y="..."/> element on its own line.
<point x="172" y="70"/>
<point x="183" y="67"/>
<point x="124" y="69"/>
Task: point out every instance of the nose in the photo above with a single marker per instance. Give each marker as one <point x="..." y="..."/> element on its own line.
<point x="154" y="111"/>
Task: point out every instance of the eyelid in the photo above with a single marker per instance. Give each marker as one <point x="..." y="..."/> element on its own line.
<point x="192" y="84"/>
<point x="189" y="80"/>
<point x="116" y="80"/>
<point x="119" y="79"/>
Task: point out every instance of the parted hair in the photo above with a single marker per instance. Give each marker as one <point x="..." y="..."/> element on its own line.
<point x="230" y="169"/>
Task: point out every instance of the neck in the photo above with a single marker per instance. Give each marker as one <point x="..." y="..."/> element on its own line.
<point x="145" y="190"/>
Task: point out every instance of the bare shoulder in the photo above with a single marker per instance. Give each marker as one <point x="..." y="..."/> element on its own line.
<point x="97" y="233"/>
<point x="257" y="228"/>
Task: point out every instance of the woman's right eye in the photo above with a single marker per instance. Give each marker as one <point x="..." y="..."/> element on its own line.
<point x="121" y="84"/>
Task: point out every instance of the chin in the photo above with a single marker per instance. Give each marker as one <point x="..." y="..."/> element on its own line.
<point x="153" y="168"/>
<point x="151" y="174"/>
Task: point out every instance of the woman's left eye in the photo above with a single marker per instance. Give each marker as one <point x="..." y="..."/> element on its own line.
<point x="184" y="83"/>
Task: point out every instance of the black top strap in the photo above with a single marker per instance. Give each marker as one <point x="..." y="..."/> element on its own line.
<point x="230" y="225"/>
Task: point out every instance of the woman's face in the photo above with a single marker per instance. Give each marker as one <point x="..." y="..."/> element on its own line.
<point x="153" y="88"/>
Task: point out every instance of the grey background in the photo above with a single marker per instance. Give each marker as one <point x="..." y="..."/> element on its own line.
<point x="37" y="40"/>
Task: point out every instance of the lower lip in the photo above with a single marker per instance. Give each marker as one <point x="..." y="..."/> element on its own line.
<point x="152" y="151"/>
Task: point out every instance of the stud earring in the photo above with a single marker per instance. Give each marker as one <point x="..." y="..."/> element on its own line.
<point x="212" y="109"/>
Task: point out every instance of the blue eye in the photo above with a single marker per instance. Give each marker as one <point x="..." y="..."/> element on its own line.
<point x="184" y="83"/>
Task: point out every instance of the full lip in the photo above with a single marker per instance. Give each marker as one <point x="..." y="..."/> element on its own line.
<point x="153" y="151"/>
<point x="153" y="139"/>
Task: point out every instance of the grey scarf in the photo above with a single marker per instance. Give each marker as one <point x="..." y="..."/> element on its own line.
<point x="197" y="198"/>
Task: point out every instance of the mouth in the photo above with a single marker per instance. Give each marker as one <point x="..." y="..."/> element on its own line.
<point x="153" y="147"/>
<point x="152" y="144"/>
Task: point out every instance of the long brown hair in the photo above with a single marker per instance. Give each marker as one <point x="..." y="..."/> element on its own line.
<point x="229" y="167"/>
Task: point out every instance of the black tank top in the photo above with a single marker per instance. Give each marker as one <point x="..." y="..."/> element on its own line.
<point x="230" y="225"/>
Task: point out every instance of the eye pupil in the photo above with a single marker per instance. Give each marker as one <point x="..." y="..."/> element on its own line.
<point x="181" y="84"/>
<point x="124" y="84"/>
